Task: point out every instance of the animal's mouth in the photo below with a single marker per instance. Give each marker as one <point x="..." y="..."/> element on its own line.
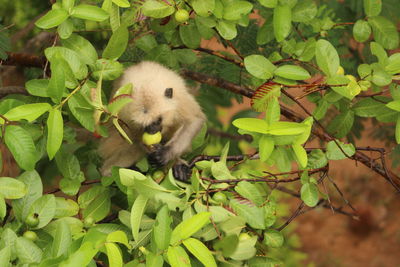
<point x="154" y="127"/>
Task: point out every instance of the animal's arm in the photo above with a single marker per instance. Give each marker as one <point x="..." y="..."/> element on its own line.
<point x="182" y="139"/>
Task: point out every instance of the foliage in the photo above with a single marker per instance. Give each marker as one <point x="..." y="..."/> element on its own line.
<point x="228" y="213"/>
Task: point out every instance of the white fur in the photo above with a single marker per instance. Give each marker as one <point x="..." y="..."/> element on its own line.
<point x="181" y="115"/>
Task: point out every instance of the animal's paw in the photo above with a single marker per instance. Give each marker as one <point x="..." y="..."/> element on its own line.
<point x="181" y="172"/>
<point x="158" y="157"/>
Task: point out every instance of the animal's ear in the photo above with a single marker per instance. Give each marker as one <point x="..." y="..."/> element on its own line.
<point x="168" y="92"/>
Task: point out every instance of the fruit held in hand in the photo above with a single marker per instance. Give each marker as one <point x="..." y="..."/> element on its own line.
<point x="181" y="15"/>
<point x="151" y="139"/>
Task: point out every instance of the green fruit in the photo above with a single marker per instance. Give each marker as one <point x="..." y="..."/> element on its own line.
<point x="32" y="220"/>
<point x="244" y="236"/>
<point x="151" y="139"/>
<point x="30" y="235"/>
<point x="88" y="222"/>
<point x="219" y="197"/>
<point x="158" y="175"/>
<point x="181" y="15"/>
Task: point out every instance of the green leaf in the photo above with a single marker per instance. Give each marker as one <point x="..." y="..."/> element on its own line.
<point x="341" y="90"/>
<point x="109" y="69"/>
<point x="379" y="76"/>
<point x="65" y="208"/>
<point x="273" y="238"/>
<point x="21" y="145"/>
<point x="282" y="22"/>
<point x="137" y="211"/>
<point x="118" y="237"/>
<point x="259" y="66"/>
<point x="302" y="138"/>
<point x="27" y="251"/>
<point x="189" y="227"/>
<point x="309" y="194"/>
<point x="245" y="249"/>
<point x="89" y="12"/>
<point x="265" y="147"/>
<point x="287" y="128"/>
<point x="98" y="207"/>
<point x="372" y="7"/>
<point x="57" y="81"/>
<point x="251" y="192"/>
<point x="333" y="152"/>
<point x="122" y="3"/>
<point x="178" y="257"/>
<point x="55" y="132"/>
<point x="253" y="215"/>
<point x="37" y="87"/>
<point x="62" y="239"/>
<point x="269" y="3"/>
<point x="29" y="112"/>
<point x="327" y="57"/>
<point x="220" y="171"/>
<point x="378" y="51"/>
<point x="118" y="103"/>
<point x="22" y="206"/>
<point x="114" y="255"/>
<point x="11" y="188"/>
<point x="117" y="44"/>
<point x="342" y="124"/>
<point x="292" y="72"/>
<point x="68" y="4"/>
<point x="52" y="18"/>
<point x="68" y="165"/>
<point x="162" y="228"/>
<point x="304" y="11"/>
<point x="236" y="9"/>
<point x="155" y="9"/>
<point x="154" y="260"/>
<point x="385" y="32"/>
<point x="190" y="35"/>
<point x="265" y="33"/>
<point x="227" y="29"/>
<point x="87" y="53"/>
<point x="44" y="208"/>
<point x="65" y="29"/>
<point x="5" y="256"/>
<point x="203" y="7"/>
<point x="368" y="107"/>
<point x="361" y="31"/>
<point x="77" y="66"/>
<point x="200" y="251"/>
<point x="146" y="43"/>
<point x="393" y="65"/>
<point x="301" y="155"/>
<point x="395" y="105"/>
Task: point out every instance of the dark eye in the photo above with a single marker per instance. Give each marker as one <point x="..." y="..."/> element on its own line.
<point x="168" y="92"/>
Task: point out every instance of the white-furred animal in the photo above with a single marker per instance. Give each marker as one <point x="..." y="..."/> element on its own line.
<point x="161" y="102"/>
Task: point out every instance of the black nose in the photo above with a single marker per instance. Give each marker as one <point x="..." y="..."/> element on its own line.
<point x="154" y="127"/>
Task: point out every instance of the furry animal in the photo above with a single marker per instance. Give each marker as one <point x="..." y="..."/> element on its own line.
<point x="161" y="102"/>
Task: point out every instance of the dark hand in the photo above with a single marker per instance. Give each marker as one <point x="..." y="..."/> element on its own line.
<point x="157" y="157"/>
<point x="181" y="172"/>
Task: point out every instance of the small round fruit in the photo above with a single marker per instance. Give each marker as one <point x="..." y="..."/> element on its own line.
<point x="88" y="222"/>
<point x="32" y="220"/>
<point x="32" y="236"/>
<point x="340" y="70"/>
<point x="219" y="197"/>
<point x="181" y="15"/>
<point x="158" y="175"/>
<point x="151" y="139"/>
<point x="244" y="236"/>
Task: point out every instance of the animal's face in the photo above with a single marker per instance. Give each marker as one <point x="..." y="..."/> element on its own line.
<point x="155" y="94"/>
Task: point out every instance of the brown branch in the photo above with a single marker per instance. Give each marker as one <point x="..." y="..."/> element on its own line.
<point x="25" y="60"/>
<point x="222" y="134"/>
